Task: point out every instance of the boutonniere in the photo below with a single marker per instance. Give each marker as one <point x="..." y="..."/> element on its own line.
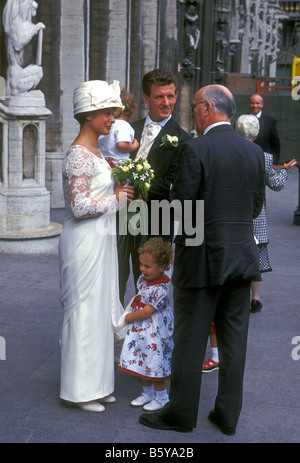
<point x="169" y="141"/>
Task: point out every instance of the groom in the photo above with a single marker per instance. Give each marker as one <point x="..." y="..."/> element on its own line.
<point x="160" y="94"/>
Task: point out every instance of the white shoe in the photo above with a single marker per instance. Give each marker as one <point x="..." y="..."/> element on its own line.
<point x="156" y="404"/>
<point x="92" y="406"/>
<point x="142" y="400"/>
<point x="109" y="399"/>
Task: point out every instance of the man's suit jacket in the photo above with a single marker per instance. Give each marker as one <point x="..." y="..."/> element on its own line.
<point x="227" y="172"/>
<point x="163" y="161"/>
<point x="268" y="137"/>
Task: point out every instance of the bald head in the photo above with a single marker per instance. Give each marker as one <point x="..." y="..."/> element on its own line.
<point x="256" y="96"/>
<point x="221" y="99"/>
<point x="213" y="103"/>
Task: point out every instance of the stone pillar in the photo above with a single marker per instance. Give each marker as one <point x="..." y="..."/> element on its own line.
<point x="59" y="83"/>
<point x="246" y="35"/>
<point x="72" y="65"/>
<point x="150" y="36"/>
<point x="25" y="226"/>
<point x="117" y="43"/>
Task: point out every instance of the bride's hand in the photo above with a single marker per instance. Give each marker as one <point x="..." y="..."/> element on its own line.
<point x="127" y="190"/>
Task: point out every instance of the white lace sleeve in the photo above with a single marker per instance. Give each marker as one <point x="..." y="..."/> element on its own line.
<point x="79" y="170"/>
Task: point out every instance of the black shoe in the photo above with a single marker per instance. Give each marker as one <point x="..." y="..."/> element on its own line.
<point x="256" y="306"/>
<point x="153" y="420"/>
<point x="224" y="429"/>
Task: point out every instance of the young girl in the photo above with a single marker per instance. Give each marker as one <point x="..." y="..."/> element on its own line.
<point x="148" y="343"/>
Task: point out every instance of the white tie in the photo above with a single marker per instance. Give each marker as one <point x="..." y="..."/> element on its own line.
<point x="149" y="134"/>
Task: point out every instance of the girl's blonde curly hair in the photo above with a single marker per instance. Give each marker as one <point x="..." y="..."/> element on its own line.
<point x="161" y="251"/>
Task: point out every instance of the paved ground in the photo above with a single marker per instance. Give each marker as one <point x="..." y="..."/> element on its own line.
<point x="30" y="321"/>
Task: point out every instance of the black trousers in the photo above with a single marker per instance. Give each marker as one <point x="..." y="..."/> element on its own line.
<point x="194" y="311"/>
<point x="128" y="252"/>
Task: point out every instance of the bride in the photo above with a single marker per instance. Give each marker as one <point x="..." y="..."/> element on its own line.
<point x="88" y="256"/>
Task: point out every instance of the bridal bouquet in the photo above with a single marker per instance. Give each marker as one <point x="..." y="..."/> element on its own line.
<point x="137" y="173"/>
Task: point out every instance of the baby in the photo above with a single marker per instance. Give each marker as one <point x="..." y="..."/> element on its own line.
<point x="120" y="142"/>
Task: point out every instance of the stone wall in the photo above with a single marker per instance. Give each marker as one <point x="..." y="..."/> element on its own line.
<point x="116" y="45"/>
<point x="64" y="65"/>
<point x="122" y="40"/>
<point x="99" y="29"/>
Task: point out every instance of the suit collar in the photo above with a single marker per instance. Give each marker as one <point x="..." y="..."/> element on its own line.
<point x="162" y="123"/>
<point x="217" y="128"/>
<point x="212" y="126"/>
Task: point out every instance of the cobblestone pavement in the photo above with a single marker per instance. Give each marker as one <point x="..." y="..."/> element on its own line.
<point x="30" y="322"/>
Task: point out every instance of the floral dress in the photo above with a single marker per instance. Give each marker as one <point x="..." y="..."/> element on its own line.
<point x="148" y="344"/>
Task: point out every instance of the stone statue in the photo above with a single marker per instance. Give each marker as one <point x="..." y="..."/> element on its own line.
<point x="191" y="40"/>
<point x="192" y="31"/>
<point x="19" y="28"/>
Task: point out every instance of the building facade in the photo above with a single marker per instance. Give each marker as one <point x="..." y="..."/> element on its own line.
<point x="202" y="41"/>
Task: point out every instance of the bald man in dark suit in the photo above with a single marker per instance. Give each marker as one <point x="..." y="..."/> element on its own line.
<point x="268" y="136"/>
<point x="212" y="280"/>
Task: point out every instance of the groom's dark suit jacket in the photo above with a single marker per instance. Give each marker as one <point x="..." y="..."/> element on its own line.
<point x="163" y="161"/>
<point x="227" y="172"/>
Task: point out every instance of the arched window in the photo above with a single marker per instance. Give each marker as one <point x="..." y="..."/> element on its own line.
<point x="30" y="138"/>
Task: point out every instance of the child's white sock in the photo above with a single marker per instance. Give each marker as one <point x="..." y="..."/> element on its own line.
<point x="215" y="354"/>
<point x="148" y="390"/>
<point x="162" y="394"/>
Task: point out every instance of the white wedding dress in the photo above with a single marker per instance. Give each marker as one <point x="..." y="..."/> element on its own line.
<point x="88" y="278"/>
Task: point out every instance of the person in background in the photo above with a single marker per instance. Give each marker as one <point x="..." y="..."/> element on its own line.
<point x="212" y="363"/>
<point x="247" y="126"/>
<point x="268" y="136"/>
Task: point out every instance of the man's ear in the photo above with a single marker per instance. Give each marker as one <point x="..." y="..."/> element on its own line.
<point x="146" y="99"/>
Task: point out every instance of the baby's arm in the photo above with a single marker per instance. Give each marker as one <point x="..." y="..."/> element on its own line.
<point x="140" y="314"/>
<point x="127" y="147"/>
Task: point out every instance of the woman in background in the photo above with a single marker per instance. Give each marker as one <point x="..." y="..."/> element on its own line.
<point x="248" y="127"/>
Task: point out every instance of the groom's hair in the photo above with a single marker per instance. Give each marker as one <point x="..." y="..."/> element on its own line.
<point x="158" y="77"/>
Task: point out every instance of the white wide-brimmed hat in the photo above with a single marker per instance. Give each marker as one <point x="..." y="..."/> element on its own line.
<point x="97" y="94"/>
